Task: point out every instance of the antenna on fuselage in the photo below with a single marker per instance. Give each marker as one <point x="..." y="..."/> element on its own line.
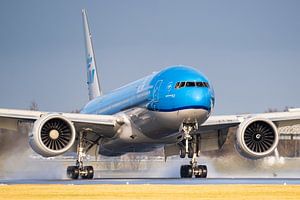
<point x="92" y="75"/>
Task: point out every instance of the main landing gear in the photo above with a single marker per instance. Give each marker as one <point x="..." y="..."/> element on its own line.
<point x="79" y="170"/>
<point x="191" y="149"/>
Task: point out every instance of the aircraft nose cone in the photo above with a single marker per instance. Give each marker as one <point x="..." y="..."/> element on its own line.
<point x="203" y="99"/>
<point x="207" y="100"/>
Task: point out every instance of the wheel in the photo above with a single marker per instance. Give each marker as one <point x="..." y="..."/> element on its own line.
<point x="203" y="171"/>
<point x="182" y="153"/>
<point x="89" y="172"/>
<point x="186" y="171"/>
<point x="73" y="172"/>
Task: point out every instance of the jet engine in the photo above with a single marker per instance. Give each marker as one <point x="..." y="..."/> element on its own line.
<point x="256" y="138"/>
<point x="52" y="135"/>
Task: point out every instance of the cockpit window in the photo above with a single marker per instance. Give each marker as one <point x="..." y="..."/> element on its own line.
<point x="191" y="84"/>
<point x="202" y="84"/>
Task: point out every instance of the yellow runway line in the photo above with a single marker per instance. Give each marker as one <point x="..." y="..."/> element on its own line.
<point x="172" y="192"/>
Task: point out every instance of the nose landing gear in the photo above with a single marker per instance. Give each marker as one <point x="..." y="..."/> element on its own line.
<point x="192" y="150"/>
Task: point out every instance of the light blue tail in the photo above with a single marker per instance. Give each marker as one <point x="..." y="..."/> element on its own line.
<point x="92" y="76"/>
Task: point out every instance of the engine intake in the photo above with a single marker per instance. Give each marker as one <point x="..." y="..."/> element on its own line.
<point x="56" y="134"/>
<point x="257" y="138"/>
<point x="52" y="135"/>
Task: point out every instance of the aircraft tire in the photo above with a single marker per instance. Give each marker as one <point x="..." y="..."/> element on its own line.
<point x="186" y="171"/>
<point x="89" y="172"/>
<point x="203" y="170"/>
<point x="73" y="172"/>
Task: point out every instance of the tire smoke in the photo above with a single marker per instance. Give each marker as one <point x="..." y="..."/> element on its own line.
<point x="17" y="160"/>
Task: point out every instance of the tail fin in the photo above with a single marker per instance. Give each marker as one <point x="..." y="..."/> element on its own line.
<point x="92" y="76"/>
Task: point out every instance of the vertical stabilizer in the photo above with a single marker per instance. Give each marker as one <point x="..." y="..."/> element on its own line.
<point x="92" y="75"/>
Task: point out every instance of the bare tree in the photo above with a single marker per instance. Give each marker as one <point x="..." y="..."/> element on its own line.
<point x="286" y="109"/>
<point x="76" y="111"/>
<point x="33" y="106"/>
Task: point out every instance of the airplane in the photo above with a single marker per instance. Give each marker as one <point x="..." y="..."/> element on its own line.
<point x="169" y="109"/>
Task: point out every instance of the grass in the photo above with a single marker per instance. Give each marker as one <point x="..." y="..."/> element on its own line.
<point x="172" y="192"/>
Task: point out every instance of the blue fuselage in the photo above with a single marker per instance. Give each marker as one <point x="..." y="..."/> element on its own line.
<point x="172" y="89"/>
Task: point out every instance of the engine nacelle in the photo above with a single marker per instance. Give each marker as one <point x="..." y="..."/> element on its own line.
<point x="52" y="135"/>
<point x="256" y="138"/>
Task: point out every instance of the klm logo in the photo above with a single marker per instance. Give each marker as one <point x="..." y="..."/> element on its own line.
<point x="89" y="61"/>
<point x="91" y="70"/>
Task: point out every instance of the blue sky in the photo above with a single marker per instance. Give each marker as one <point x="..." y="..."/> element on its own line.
<point x="250" y="50"/>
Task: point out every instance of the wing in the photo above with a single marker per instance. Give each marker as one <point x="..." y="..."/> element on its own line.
<point x="214" y="131"/>
<point x="106" y="125"/>
<point x="227" y="121"/>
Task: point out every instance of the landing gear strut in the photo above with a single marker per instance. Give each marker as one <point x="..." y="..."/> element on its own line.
<point x="85" y="172"/>
<point x="191" y="148"/>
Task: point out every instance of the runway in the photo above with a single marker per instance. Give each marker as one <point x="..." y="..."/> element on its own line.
<point x="157" y="181"/>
